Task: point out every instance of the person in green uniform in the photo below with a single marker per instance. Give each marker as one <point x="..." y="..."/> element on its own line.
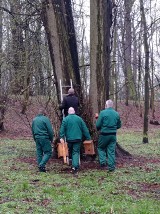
<point x="107" y="123"/>
<point x="43" y="136"/>
<point x="73" y="128"/>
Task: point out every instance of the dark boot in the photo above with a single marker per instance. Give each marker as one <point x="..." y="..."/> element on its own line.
<point x="42" y="169"/>
<point x="103" y="167"/>
<point x="74" y="171"/>
<point x="111" y="170"/>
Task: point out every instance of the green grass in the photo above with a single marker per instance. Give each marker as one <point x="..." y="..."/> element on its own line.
<point x="129" y="190"/>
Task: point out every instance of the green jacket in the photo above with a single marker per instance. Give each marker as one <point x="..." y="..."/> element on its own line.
<point x="42" y="128"/>
<point x="108" y="121"/>
<point x="74" y="128"/>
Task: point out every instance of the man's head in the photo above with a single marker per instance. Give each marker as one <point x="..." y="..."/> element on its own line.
<point x="109" y="104"/>
<point x="71" y="91"/>
<point x="42" y="111"/>
<point x="71" y="110"/>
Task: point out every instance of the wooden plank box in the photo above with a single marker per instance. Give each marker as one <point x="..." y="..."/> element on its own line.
<point x="89" y="147"/>
<point x="62" y="149"/>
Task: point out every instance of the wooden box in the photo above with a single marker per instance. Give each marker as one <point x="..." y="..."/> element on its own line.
<point x="89" y="147"/>
<point x="62" y="149"/>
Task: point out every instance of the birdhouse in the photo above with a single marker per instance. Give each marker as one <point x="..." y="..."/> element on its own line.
<point x="62" y="149"/>
<point x="89" y="147"/>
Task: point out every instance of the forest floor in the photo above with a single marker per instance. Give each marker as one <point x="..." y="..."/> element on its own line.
<point x="134" y="187"/>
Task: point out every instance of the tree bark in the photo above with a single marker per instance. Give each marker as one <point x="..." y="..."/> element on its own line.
<point x="18" y="50"/>
<point x="94" y="48"/>
<point x="58" y="22"/>
<point x="107" y="23"/>
<point x="146" y="77"/>
<point x="129" y="80"/>
<point x="1" y="35"/>
<point x="2" y="98"/>
<point x="101" y="21"/>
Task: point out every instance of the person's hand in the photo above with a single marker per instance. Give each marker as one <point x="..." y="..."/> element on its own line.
<point x="96" y="115"/>
<point x="61" y="140"/>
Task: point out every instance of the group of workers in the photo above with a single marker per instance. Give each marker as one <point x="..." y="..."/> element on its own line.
<point x="73" y="130"/>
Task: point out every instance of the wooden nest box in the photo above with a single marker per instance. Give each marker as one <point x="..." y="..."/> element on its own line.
<point x="62" y="149"/>
<point x="89" y="147"/>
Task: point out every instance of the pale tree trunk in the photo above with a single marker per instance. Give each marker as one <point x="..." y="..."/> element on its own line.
<point x="27" y="68"/>
<point x="113" y="79"/>
<point x="94" y="48"/>
<point x="2" y="100"/>
<point x="50" y="24"/>
<point x="113" y="85"/>
<point x="139" y="72"/>
<point x="152" y="98"/>
<point x="135" y="62"/>
<point x="152" y="87"/>
<point x="107" y="23"/>
<point x="58" y="23"/>
<point x="101" y="21"/>
<point x="100" y="48"/>
<point x="38" y="54"/>
<point x="18" y="50"/>
<point x="48" y="64"/>
<point x="38" y="59"/>
<point x="1" y="34"/>
<point x="49" y="69"/>
<point x="99" y="58"/>
<point x="151" y="78"/>
<point x="130" y="87"/>
<point x="146" y="77"/>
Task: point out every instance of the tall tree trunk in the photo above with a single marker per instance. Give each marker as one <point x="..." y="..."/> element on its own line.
<point x="27" y="68"/>
<point x="39" y="59"/>
<point x="135" y="62"/>
<point x="146" y="77"/>
<point x="139" y="72"/>
<point x="130" y="87"/>
<point x="1" y="35"/>
<point x="18" y="50"/>
<point x="72" y="43"/>
<point x="94" y="52"/>
<point x="50" y="24"/>
<point x="107" y="23"/>
<point x="101" y="21"/>
<point x="58" y="23"/>
<point x="2" y="100"/>
<point x="151" y="78"/>
<point x="152" y="73"/>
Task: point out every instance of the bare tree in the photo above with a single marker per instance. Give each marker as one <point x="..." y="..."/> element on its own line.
<point x="146" y="77"/>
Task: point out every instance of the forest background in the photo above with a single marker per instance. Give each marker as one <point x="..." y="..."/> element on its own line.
<point x="109" y="49"/>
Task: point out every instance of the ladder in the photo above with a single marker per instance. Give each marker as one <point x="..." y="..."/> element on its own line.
<point x="64" y="87"/>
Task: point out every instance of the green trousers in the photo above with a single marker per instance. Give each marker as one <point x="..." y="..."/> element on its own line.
<point x="74" y="151"/>
<point x="44" y="151"/>
<point x="106" y="147"/>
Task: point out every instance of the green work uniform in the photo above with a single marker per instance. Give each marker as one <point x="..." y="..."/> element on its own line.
<point x="73" y="128"/>
<point x="43" y="135"/>
<point x="108" y="122"/>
